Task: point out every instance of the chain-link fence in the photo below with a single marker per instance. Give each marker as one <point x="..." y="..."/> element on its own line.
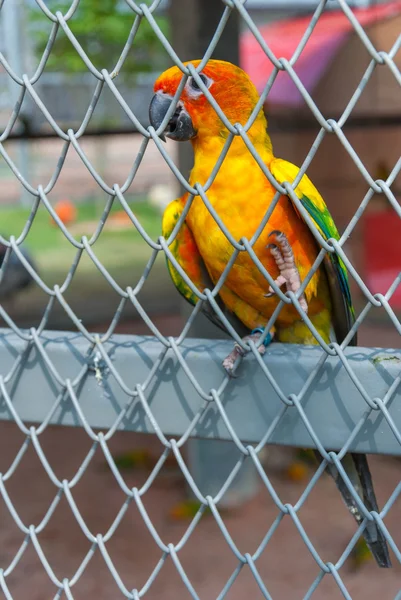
<point x="330" y="397"/>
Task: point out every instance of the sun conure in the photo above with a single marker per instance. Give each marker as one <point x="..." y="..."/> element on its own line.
<point x="240" y="195"/>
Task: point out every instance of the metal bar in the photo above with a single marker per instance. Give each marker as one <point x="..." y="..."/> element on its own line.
<point x="333" y="405"/>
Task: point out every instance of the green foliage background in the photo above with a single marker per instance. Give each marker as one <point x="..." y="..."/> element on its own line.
<point x="102" y="28"/>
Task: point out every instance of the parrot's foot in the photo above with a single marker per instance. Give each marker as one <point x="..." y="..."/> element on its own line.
<point x="230" y="361"/>
<point x="289" y="274"/>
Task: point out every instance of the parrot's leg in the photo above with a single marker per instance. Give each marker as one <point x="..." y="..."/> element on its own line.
<point x="289" y="274"/>
<point x="237" y="351"/>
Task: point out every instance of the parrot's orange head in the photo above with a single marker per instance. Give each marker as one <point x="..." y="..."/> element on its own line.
<point x="194" y="117"/>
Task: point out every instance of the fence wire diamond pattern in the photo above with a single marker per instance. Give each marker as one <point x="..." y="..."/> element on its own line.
<point x="98" y="351"/>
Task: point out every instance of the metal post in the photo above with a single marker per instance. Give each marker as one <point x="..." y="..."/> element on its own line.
<point x="14" y="42"/>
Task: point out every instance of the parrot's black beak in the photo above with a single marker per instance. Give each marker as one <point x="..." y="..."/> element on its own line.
<point x="180" y="127"/>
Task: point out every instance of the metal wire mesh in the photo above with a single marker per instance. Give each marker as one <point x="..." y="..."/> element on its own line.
<point x="99" y="352"/>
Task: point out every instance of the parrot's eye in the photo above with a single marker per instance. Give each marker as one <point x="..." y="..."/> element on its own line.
<point x="194" y="86"/>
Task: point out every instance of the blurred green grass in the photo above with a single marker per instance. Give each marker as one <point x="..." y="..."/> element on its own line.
<point x="54" y="253"/>
<point x="123" y="252"/>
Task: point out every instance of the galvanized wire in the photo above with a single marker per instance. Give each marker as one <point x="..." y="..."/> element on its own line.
<point x="69" y="388"/>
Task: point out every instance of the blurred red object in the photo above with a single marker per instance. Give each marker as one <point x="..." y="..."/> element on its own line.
<point x="382" y="253"/>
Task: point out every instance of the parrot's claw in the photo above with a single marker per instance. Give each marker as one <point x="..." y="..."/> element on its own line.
<point x="230" y="362"/>
<point x="289" y="274"/>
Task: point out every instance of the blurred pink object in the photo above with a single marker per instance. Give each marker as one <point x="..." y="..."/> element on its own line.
<point x="282" y="37"/>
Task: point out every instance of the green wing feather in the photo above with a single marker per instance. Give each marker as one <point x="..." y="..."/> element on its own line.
<point x="343" y="311"/>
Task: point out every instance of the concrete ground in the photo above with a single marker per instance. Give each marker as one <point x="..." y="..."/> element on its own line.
<point x="285" y="566"/>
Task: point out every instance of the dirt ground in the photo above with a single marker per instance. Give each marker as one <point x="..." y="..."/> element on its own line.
<point x="286" y="566"/>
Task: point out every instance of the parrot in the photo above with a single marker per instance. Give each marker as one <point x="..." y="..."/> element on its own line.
<point x="240" y="194"/>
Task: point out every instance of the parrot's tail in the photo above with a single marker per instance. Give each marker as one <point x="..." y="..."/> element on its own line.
<point x="357" y="469"/>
